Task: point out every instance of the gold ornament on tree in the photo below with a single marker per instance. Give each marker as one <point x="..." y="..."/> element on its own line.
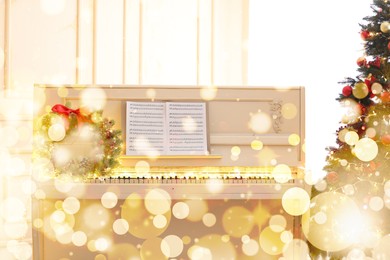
<point x="385" y="27"/>
<point x="360" y="90"/>
<point x="376" y="88"/>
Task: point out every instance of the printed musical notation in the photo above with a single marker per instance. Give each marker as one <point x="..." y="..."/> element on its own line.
<point x="166" y="128"/>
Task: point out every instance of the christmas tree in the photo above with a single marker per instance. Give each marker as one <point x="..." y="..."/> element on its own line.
<point x="349" y="217"/>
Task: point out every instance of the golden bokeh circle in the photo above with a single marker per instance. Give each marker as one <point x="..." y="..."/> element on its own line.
<point x="251" y="248"/>
<point x="351" y="137"/>
<point x="209" y="219"/>
<point x="366" y="149"/>
<point x="270" y="241"/>
<point x="257" y="145"/>
<point x="198" y="207"/>
<point x="120" y="226"/>
<point x="277" y="223"/>
<point x="71" y="205"/>
<point x="289" y="111"/>
<point x="295" y="201"/>
<point x="342" y="226"/>
<point x="172" y="246"/>
<point x="79" y="238"/>
<point x="157" y="201"/>
<point x="237" y="221"/>
<point x="180" y="210"/>
<point x="56" y="132"/>
<point x="281" y="173"/>
<point x="151" y="249"/>
<point x="294" y="139"/>
<point x="212" y="247"/>
<point x="140" y="220"/>
<point x="123" y="251"/>
<point x="109" y="200"/>
<point x="260" y="123"/>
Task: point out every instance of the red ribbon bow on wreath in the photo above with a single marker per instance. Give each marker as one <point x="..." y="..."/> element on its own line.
<point x="66" y="112"/>
<point x="61" y="109"/>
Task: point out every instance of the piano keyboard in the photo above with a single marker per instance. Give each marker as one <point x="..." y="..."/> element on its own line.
<point x="177" y="188"/>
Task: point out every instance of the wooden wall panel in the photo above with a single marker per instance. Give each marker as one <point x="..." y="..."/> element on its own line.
<point x="109" y="41"/>
<point x="133" y="42"/>
<point x="85" y="43"/>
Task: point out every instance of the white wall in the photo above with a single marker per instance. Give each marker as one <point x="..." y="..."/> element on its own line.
<point x="313" y="44"/>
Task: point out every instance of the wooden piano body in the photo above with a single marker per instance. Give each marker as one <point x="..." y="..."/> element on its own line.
<point x="219" y="206"/>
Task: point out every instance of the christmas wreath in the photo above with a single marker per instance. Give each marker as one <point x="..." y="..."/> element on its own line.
<point x="77" y="143"/>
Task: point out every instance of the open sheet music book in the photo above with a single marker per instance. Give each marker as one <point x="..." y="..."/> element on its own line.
<point x="166" y="128"/>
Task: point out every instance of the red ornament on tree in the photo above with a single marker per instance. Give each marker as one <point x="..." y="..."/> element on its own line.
<point x="347" y="91"/>
<point x="361" y="62"/>
<point x="332" y="177"/>
<point x="388" y="46"/>
<point x="375" y="63"/>
<point x="385" y="139"/>
<point x="365" y="35"/>
<point x="385" y="97"/>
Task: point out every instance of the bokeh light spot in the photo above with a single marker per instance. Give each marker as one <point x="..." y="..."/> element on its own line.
<point x="142" y="168"/>
<point x="120" y="226"/>
<point x="256" y="145"/>
<point x="160" y="221"/>
<point x="366" y="149"/>
<point x="260" y="123"/>
<point x="71" y="205"/>
<point x="198" y="208"/>
<point x="286" y="236"/>
<point x="343" y="222"/>
<point x="277" y="223"/>
<point x="351" y="138"/>
<point x="270" y="241"/>
<point x="102" y="244"/>
<point x="189" y="124"/>
<point x="320" y="218"/>
<point x="376" y="203"/>
<point x="151" y="249"/>
<point x="180" y="210"/>
<point x="209" y="219"/>
<point x="79" y="238"/>
<point x="235" y="151"/>
<point x="93" y="99"/>
<point x="295" y="201"/>
<point x="237" y="221"/>
<point x="109" y="200"/>
<point x="172" y="246"/>
<point x="208" y="92"/>
<point x="251" y="248"/>
<point x="56" y="132"/>
<point x="294" y="139"/>
<point x="281" y="173"/>
<point x="157" y="201"/>
<point x="289" y="111"/>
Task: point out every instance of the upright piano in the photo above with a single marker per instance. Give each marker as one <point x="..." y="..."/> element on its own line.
<point x="224" y="204"/>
